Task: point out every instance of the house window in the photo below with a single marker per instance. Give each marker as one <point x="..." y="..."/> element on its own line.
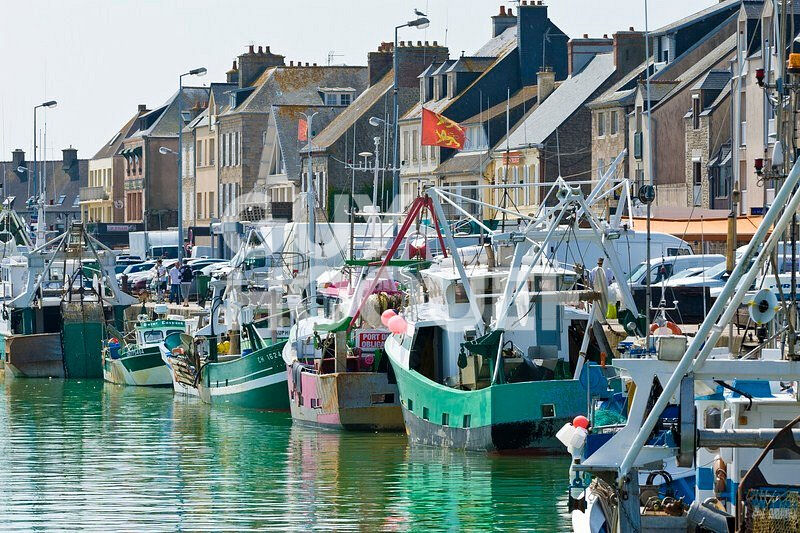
<point x="330" y="99"/>
<point x="697" y="182"/>
<point x="198" y="205"/>
<point x="345" y="99"/>
<point x="406" y="144"/>
<point x="211" y="151"/>
<point x="614" y="122"/>
<point x="199" y="157"/>
<point x="237" y="151"/>
<point x="695" y="111"/>
<point x="601" y="167"/>
<point x="697" y="173"/>
<point x="211" y="204"/>
<point x="638" y="118"/>
<point x="414" y="145"/>
<point x="601" y="124"/>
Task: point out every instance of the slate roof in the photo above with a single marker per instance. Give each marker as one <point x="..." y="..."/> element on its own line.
<point x="753" y="8"/>
<point x="696" y="17"/>
<point x="723" y="94"/>
<point x="471" y="64"/>
<point x="714" y="80"/>
<point x="299" y="86"/>
<point x="113" y="145"/>
<point x="166" y="123"/>
<point x="726" y="48"/>
<point x="562" y="103"/>
<point x="523" y="95"/>
<point x="285" y="118"/>
<point x="345" y="120"/>
<point x="499" y="45"/>
<point x="58" y="183"/>
<point x="497" y="48"/>
<point x="220" y="92"/>
<point x="464" y="163"/>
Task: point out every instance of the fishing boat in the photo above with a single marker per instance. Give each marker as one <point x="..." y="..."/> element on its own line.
<point x="140" y="361"/>
<point x="338" y="373"/>
<point x="60" y="296"/>
<point x="229" y="361"/>
<point x="484" y="361"/>
<point x="728" y="417"/>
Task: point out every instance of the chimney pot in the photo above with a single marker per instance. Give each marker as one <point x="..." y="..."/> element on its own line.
<point x="315" y="64"/>
<point x="251" y="49"/>
<point x="266" y="49"/>
<point x="307" y="63"/>
<point x="435" y="43"/>
<point x="585" y="35"/>
<point x="260" y="50"/>
<point x="419" y="43"/>
<point x="524" y="2"/>
<point x="510" y="12"/>
<point x="502" y="10"/>
<point x="402" y="43"/>
<point x="630" y="29"/>
<point x="142" y="108"/>
<point x="605" y="36"/>
<point x="291" y="63"/>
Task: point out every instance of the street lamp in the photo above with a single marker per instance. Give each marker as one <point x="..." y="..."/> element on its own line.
<point x="420" y="23"/>
<point x="40" y="222"/>
<point x="164" y="151"/>
<point x="201" y="71"/>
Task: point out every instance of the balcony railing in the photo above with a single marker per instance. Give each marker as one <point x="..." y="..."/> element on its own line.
<point x="88" y="194"/>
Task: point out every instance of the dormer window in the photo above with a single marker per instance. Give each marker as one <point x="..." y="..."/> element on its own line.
<point x="337" y="96"/>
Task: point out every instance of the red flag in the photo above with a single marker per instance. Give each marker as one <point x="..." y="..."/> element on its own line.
<point x="302" y="130"/>
<point x="438" y="130"/>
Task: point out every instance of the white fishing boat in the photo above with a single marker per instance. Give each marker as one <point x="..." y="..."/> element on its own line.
<point x="729" y="418"/>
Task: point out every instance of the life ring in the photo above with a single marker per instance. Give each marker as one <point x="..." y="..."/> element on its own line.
<point x="672" y="326"/>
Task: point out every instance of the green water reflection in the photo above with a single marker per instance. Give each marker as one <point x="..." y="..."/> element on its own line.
<point x="90" y="455"/>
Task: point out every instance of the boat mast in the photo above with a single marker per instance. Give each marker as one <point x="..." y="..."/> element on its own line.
<point x="312" y="289"/>
<point x="651" y="181"/>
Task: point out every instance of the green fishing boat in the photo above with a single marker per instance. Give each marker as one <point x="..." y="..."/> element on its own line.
<point x="141" y="361"/>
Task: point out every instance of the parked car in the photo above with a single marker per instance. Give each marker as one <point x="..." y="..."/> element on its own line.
<point x="664" y="268"/>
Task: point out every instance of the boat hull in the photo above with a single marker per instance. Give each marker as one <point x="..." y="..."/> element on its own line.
<point x="356" y="401"/>
<point x="145" y="369"/>
<point x="256" y="380"/>
<point x="506" y="417"/>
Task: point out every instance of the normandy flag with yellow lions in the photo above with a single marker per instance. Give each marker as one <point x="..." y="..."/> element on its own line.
<point x="438" y="130"/>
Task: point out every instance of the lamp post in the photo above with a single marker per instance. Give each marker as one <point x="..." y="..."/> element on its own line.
<point x="419" y="23"/>
<point x="201" y="71"/>
<point x="39" y="195"/>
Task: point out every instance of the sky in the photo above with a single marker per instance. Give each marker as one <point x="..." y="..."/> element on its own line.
<point x="100" y="58"/>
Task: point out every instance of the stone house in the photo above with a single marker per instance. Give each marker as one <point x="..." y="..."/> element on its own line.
<point x="150" y="177"/>
<point x="62" y="196"/>
<point x="707" y="131"/>
<point x="354" y="130"/>
<point x="460" y="88"/>
<point x="103" y="200"/>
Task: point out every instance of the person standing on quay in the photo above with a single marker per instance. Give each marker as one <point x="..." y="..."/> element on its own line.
<point x="175" y="283"/>
<point x="186" y="283"/>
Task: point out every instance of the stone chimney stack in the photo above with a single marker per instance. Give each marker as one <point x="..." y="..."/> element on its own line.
<point x="18" y="160"/>
<point x="546" y="82"/>
<point x="232" y="76"/>
<point x="69" y="163"/>
<point x="252" y="64"/>
<point x="502" y="21"/>
<point x="142" y="108"/>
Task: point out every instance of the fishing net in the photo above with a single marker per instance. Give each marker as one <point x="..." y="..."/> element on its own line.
<point x="771" y="510"/>
<point x="608" y="417"/>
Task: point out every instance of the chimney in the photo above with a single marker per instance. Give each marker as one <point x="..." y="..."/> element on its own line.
<point x="545" y="82"/>
<point x="252" y="64"/>
<point x="142" y="108"/>
<point x="581" y="51"/>
<point x="532" y="23"/>
<point x="411" y="61"/>
<point x="18" y="160"/>
<point x="628" y="47"/>
<point x="379" y="63"/>
<point x="69" y="163"/>
<point x="232" y="76"/>
<point x="502" y="21"/>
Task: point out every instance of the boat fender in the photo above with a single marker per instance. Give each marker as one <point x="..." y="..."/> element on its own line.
<point x="672" y="326"/>
<point x="720" y="476"/>
<point x="603" y="357"/>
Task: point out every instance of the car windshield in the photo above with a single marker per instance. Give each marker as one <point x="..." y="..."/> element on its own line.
<point x="638" y="271"/>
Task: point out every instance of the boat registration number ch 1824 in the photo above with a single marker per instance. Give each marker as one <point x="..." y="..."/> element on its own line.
<point x="371" y="340"/>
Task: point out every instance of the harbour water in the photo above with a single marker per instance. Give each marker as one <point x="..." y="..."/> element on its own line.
<point x="89" y="455"/>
